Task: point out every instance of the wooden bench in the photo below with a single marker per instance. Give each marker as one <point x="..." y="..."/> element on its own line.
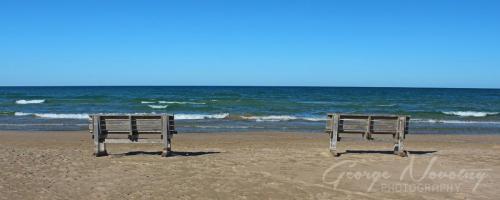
<point x="131" y="129"/>
<point x="368" y="125"/>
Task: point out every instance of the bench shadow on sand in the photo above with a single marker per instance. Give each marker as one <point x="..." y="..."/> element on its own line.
<point x="384" y="152"/>
<point x="172" y="154"/>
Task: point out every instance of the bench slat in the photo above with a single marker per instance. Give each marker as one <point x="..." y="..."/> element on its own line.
<point x="125" y="141"/>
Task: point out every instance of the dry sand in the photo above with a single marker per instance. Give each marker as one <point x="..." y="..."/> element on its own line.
<point x="60" y="165"/>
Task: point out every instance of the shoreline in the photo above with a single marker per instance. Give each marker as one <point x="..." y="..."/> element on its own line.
<point x="249" y="131"/>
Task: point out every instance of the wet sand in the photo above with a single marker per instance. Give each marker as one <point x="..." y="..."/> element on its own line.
<point x="60" y="165"/>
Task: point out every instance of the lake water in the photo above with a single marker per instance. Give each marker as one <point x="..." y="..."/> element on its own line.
<point x="222" y="109"/>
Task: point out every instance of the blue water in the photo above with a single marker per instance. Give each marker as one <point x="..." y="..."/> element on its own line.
<point x="219" y="109"/>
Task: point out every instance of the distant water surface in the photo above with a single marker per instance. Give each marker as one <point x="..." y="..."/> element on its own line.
<point x="221" y="109"/>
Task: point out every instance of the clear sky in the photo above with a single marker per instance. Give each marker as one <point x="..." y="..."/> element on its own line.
<point x="414" y="43"/>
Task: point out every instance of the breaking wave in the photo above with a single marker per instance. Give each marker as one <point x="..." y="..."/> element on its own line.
<point x="158" y="106"/>
<point x="201" y="116"/>
<point x="387" y="105"/>
<point x="173" y="102"/>
<point x="314" y="119"/>
<point x="276" y="118"/>
<point x="470" y="113"/>
<point x="270" y="118"/>
<point x="180" y="102"/>
<point x="34" y="101"/>
<point x="54" y="115"/>
<point x="435" y="121"/>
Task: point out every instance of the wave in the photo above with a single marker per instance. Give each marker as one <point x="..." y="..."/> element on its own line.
<point x="180" y="102"/>
<point x="22" y="114"/>
<point x="54" y="115"/>
<point x="201" y="116"/>
<point x="318" y="102"/>
<point x="34" y="101"/>
<point x="470" y="113"/>
<point x="387" y="105"/>
<point x="63" y="116"/>
<point x="86" y="116"/>
<point x="6" y="113"/>
<point x="34" y="124"/>
<point x="158" y="106"/>
<point x="173" y="102"/>
<point x="224" y="127"/>
<point x="71" y="116"/>
<point x="314" y="119"/>
<point x="270" y="118"/>
<point x="435" y="121"/>
<point x="275" y="118"/>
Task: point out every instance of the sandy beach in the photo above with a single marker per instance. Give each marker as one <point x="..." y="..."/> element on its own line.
<point x="257" y="165"/>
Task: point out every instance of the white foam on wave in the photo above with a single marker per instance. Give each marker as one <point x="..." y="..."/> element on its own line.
<point x="71" y="116"/>
<point x="86" y="116"/>
<point x="318" y="102"/>
<point x="276" y="118"/>
<point x="54" y="115"/>
<point x="171" y="102"/>
<point x="63" y="116"/>
<point x="314" y="119"/>
<point x="180" y="102"/>
<point x="270" y="118"/>
<point x="34" y="101"/>
<point x="387" y="105"/>
<point x="158" y="106"/>
<point x="470" y="113"/>
<point x="22" y="114"/>
<point x="435" y="121"/>
<point x="223" y="127"/>
<point x="201" y="116"/>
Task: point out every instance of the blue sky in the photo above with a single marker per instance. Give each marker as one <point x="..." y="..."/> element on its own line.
<point x="312" y="43"/>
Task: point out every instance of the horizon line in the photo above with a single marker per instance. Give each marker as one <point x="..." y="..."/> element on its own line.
<point x="409" y="87"/>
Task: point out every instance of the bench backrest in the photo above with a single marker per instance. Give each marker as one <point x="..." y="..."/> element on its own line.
<point x="137" y="124"/>
<point x="374" y="124"/>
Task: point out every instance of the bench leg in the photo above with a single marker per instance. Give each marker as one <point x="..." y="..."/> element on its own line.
<point x="333" y="143"/>
<point x="334" y="135"/>
<point x="396" y="144"/>
<point x="100" y="146"/>
<point x="166" y="136"/>
<point x="100" y="149"/>
<point x="399" y="148"/>
<point x="167" y="149"/>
